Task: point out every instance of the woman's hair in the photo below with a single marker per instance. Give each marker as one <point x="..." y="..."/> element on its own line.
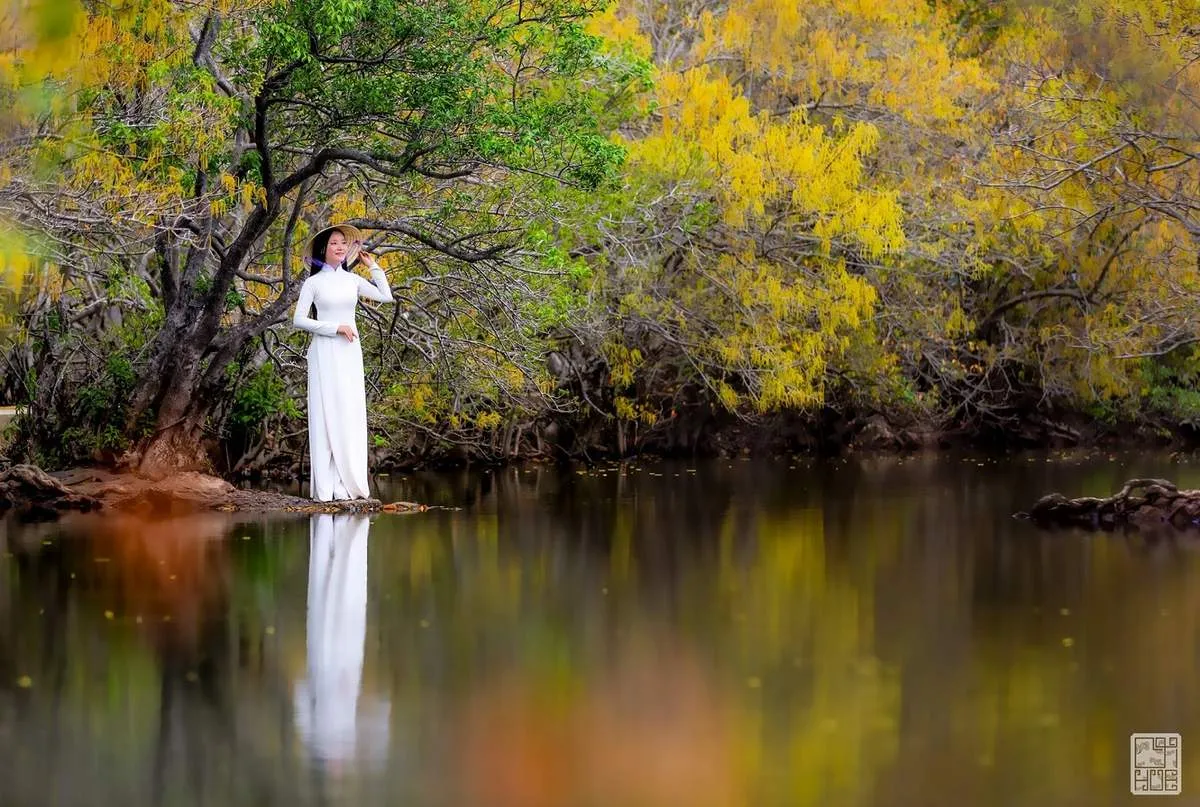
<point x="317" y="259"/>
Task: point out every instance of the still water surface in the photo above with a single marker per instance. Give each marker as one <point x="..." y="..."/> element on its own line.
<point x="868" y="633"/>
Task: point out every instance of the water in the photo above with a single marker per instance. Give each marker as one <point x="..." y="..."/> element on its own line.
<point x="870" y="633"/>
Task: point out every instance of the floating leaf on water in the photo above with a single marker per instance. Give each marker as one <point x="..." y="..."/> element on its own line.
<point x="24" y="682"/>
<point x="1067" y="641"/>
<point x="1065" y="611"/>
<point x="109" y="614"/>
<point x="270" y="630"/>
<point x="753" y="682"/>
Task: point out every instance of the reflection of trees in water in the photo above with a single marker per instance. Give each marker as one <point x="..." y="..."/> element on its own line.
<point x="802" y="634"/>
<point x="217" y="688"/>
<point x="194" y="706"/>
<point x="151" y="686"/>
<point x="22" y="651"/>
<point x="721" y="561"/>
<point x="652" y="726"/>
<point x="1022" y="652"/>
<point x="880" y="616"/>
<point x="542" y="545"/>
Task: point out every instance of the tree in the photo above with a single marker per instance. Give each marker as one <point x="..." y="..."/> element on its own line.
<point x="768" y="193"/>
<point x="1096" y="169"/>
<point x="1057" y="250"/>
<point x="200" y="154"/>
<point x="1027" y="169"/>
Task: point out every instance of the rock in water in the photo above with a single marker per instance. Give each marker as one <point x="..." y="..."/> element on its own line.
<point x="33" y="493"/>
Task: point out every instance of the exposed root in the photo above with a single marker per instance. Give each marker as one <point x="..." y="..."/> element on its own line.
<point x="1159" y="502"/>
<point x="34" y="494"/>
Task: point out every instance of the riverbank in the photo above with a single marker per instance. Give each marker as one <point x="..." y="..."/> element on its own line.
<point x="695" y="436"/>
<point x="716" y="436"/>
<point x="32" y="493"/>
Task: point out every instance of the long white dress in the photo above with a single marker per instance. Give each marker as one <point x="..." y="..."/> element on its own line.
<point x="337" y="398"/>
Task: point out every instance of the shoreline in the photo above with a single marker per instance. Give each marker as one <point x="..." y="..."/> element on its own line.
<point x="876" y="438"/>
<point x="99" y="486"/>
<point x="34" y="494"/>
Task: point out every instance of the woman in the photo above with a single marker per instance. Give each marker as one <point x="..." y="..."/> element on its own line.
<point x="337" y="400"/>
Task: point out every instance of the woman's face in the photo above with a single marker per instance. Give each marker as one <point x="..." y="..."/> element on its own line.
<point x="336" y="249"/>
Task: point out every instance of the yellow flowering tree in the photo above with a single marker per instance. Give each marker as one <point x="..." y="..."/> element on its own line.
<point x="1081" y="216"/>
<point x="766" y="200"/>
<point x="970" y="211"/>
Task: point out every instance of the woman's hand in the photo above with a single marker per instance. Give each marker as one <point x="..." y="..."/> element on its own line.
<point x="368" y="260"/>
<point x="347" y="331"/>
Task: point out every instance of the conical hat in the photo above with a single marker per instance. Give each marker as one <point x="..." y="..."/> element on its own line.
<point x="352" y="233"/>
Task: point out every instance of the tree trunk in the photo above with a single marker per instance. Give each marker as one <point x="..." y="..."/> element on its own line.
<point x="179" y="324"/>
<point x="177" y="387"/>
<point x="177" y="442"/>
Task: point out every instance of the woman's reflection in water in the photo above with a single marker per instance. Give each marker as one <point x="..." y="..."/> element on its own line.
<point x="334" y="727"/>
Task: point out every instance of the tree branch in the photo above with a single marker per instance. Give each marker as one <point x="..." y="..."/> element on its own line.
<point x="202" y="56"/>
<point x="450" y="248"/>
<point x="378" y="162"/>
<point x="1028" y="297"/>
